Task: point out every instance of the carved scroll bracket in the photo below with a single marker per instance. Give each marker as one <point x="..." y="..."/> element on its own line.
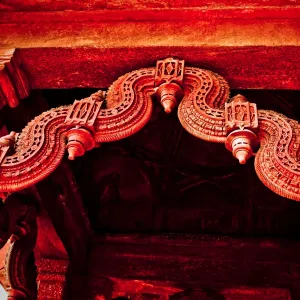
<point x="207" y="114"/>
<point x="204" y="111"/>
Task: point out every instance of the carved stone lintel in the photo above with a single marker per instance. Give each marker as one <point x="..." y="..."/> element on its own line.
<point x="14" y="84"/>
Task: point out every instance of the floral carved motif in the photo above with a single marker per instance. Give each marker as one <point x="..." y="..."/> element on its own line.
<point x="205" y="111"/>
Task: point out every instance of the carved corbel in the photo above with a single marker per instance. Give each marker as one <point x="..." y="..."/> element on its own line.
<point x="14" y="84"/>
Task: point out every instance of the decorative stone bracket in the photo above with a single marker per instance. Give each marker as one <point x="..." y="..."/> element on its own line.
<point x="205" y="111"/>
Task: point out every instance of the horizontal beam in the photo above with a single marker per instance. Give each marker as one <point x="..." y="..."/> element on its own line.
<point x="243" y="67"/>
<point x="49" y="5"/>
<point x="283" y="13"/>
<point x="151" y="28"/>
<point x="252" y="47"/>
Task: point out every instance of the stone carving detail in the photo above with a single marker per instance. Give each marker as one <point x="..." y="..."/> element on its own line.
<point x="83" y="113"/>
<point x="204" y="111"/>
<point x="241" y="122"/>
<point x="168" y="82"/>
<point x="41" y="145"/>
<point x="18" y="273"/>
<point x="14" y="84"/>
<point x="6" y="144"/>
<point x="277" y="164"/>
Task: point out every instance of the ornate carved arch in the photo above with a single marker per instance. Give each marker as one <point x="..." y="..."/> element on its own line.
<point x="205" y="111"/>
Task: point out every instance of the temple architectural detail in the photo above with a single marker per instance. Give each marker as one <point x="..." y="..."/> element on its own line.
<point x="205" y="111"/>
<point x="14" y="84"/>
<point x="18" y="274"/>
<point x="168" y="82"/>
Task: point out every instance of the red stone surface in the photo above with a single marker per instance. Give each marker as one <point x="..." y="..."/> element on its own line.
<point x="160" y="180"/>
<point x="80" y="45"/>
<point x="51" y="5"/>
<point x="98" y="68"/>
<point x="169" y="264"/>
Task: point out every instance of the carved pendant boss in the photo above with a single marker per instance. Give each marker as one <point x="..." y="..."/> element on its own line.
<point x="205" y="111"/>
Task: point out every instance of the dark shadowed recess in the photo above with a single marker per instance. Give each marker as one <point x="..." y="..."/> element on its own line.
<point x="162" y="179"/>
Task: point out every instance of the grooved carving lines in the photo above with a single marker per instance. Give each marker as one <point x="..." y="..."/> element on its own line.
<point x="41" y="145"/>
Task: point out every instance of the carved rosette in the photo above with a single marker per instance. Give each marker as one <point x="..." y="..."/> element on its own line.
<point x="205" y="112"/>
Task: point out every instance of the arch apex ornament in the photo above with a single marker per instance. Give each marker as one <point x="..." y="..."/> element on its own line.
<point x="168" y="82"/>
<point x="205" y="111"/>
